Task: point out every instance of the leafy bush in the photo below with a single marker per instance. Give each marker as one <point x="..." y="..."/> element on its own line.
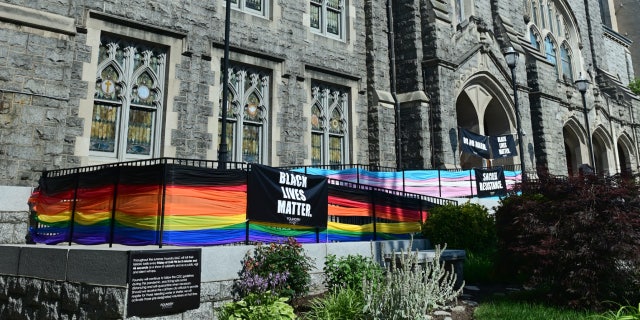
<point x="280" y="267"/>
<point x="257" y="306"/>
<point x="343" y="303"/>
<point x="349" y="271"/>
<point x="410" y="290"/>
<point x="468" y="226"/>
<point x="576" y="238"/>
<point x="634" y="85"/>
<point x="480" y="267"/>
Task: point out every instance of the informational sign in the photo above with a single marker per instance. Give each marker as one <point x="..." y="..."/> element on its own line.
<point x="287" y="197"/>
<point x="490" y="182"/>
<point x="163" y="282"/>
<point x="474" y="143"/>
<point x="502" y="146"/>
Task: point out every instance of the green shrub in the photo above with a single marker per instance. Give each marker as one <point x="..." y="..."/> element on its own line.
<point x="480" y="267"/>
<point x="468" y="226"/>
<point x="634" y="85"/>
<point x="576" y="238"/>
<point x="254" y="306"/>
<point x="343" y="303"/>
<point x="280" y="267"/>
<point x="410" y="290"/>
<point x="349" y="271"/>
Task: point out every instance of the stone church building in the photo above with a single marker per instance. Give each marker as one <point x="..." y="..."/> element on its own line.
<point x="386" y="83"/>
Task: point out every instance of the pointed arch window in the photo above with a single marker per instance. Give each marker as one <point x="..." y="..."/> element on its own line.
<point x="533" y="37"/>
<point x="567" y="68"/>
<point x="247" y="111"/>
<point x="550" y="21"/>
<point x="128" y="100"/>
<point x="328" y="125"/>
<point x="550" y="50"/>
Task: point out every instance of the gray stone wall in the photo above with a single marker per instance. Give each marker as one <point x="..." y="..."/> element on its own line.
<point x="627" y="12"/>
<point x="46" y="77"/>
<point x="14" y="214"/>
<point x="13" y="227"/>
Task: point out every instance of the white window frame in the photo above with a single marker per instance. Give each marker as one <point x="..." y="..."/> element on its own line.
<point x="241" y="5"/>
<point x="128" y="74"/>
<point x="323" y="23"/>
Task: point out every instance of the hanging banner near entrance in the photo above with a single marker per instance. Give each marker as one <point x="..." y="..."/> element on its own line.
<point x="474" y="143"/>
<point x="490" y="182"/>
<point x="287" y="197"/>
<point x="502" y="146"/>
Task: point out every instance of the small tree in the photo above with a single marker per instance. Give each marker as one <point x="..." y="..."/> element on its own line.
<point x="577" y="238"/>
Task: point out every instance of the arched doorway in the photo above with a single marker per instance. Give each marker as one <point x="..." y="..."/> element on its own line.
<point x="483" y="109"/>
<point x="574" y="145"/>
<point x="624" y="148"/>
<point x="601" y="146"/>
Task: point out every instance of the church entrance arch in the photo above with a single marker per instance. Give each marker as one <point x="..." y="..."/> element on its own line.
<point x="482" y="107"/>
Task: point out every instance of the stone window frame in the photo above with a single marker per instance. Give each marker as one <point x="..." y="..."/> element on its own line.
<point x="559" y="27"/>
<point x="320" y="98"/>
<point x="241" y="5"/>
<point x="125" y="104"/>
<point x="462" y="10"/>
<point x="97" y="23"/>
<point x="246" y="82"/>
<point x="324" y="9"/>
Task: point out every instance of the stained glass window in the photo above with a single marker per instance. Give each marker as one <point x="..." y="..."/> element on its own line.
<point x="246" y="114"/>
<point x="127" y="100"/>
<point x="327" y="17"/>
<point x="328" y="125"/>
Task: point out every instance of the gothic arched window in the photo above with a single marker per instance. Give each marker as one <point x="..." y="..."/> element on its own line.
<point x="128" y="101"/>
<point x="329" y="124"/>
<point x="247" y="112"/>
<point x="549" y="21"/>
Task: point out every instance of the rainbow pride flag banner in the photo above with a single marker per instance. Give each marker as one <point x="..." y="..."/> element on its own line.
<point x="180" y="205"/>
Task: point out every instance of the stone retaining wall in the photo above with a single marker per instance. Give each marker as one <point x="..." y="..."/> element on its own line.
<point x="90" y="282"/>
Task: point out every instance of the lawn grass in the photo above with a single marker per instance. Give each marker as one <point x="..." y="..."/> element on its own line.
<point x="507" y="309"/>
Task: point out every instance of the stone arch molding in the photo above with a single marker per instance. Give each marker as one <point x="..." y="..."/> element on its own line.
<point x="483" y="88"/>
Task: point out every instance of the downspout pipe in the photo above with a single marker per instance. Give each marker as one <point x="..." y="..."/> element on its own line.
<point x="396" y="106"/>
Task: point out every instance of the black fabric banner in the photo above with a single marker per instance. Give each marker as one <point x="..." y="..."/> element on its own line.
<point x="474" y="143"/>
<point x="287" y="197"/>
<point x="502" y="146"/>
<point x="490" y="182"/>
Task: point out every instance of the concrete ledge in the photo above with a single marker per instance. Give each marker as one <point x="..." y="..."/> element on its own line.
<point x="105" y="267"/>
<point x="37" y="19"/>
<point x="10" y="260"/>
<point x="101" y="265"/>
<point x="45" y="263"/>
